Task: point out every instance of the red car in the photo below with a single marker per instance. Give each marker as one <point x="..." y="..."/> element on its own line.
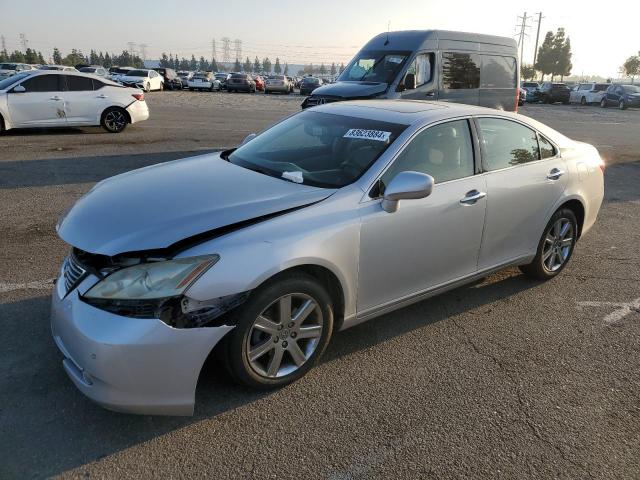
<point x="259" y="82"/>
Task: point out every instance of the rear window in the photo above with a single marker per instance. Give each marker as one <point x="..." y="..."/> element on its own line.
<point x="460" y="71"/>
<point x="507" y="143"/>
<point x="601" y="87"/>
<point x="238" y="75"/>
<point x="530" y="84"/>
<point x="498" y="72"/>
<point x="87" y="70"/>
<point x="137" y="73"/>
<point x="79" y="84"/>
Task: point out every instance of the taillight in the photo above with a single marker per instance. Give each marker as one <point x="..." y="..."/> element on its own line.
<point x="138" y="96"/>
<point x="602" y="164"/>
<point x="517" y="98"/>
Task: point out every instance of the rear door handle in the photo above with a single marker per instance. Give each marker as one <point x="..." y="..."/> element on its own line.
<point x="555" y="174"/>
<point x="472" y="197"/>
<point x="56" y="98"/>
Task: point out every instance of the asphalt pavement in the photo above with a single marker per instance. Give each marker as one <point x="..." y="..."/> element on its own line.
<point x="506" y="378"/>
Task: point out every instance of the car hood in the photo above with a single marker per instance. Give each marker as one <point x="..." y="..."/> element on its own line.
<point x="157" y="206"/>
<point x="351" y="90"/>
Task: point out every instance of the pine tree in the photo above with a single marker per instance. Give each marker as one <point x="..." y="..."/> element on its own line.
<point x="277" y="69"/>
<point x="193" y="64"/>
<point x="41" y="60"/>
<point x="545" y="59"/>
<point x="341" y="68"/>
<point x="164" y="60"/>
<point x="214" y="65"/>
<point x="101" y="59"/>
<point x="266" y="65"/>
<point x="107" y="61"/>
<point x="57" y="56"/>
<point x="204" y="64"/>
<point x="184" y="64"/>
<point x="93" y="57"/>
<point x="564" y="58"/>
<point x="323" y="69"/>
<point x="237" y="67"/>
<point x="333" y="69"/>
<point x="247" y="65"/>
<point x="256" y="65"/>
<point x="30" y="56"/>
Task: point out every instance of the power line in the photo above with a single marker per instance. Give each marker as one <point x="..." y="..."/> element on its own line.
<point x="535" y="51"/>
<point x="238" y="48"/>
<point x="213" y="48"/>
<point x="522" y="33"/>
<point x="24" y="42"/>
<point x="226" y="49"/>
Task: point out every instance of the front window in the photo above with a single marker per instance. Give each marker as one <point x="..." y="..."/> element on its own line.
<point x="7" y="82"/>
<point x="631" y="89"/>
<point x="138" y="73"/>
<point x="508" y="143"/>
<point x="318" y="149"/>
<point x="375" y="66"/>
<point x="422" y="68"/>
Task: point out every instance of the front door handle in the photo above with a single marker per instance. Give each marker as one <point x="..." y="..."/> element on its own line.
<point x="555" y="174"/>
<point x="472" y="197"/>
<point x="431" y="94"/>
<point x="102" y="95"/>
<point x="56" y="98"/>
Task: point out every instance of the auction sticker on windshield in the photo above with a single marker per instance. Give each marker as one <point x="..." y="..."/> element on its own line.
<point x="377" y="135"/>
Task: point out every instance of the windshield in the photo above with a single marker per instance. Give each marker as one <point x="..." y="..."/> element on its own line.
<point x="7" y="82"/>
<point x="375" y="66"/>
<point x="137" y="73"/>
<point x="87" y="69"/>
<point x="631" y="88"/>
<point x="8" y="66"/>
<point x="318" y="149"/>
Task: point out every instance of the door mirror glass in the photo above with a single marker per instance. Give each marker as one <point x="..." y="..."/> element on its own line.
<point x="406" y="185"/>
<point x="410" y="81"/>
<point x="19" y="89"/>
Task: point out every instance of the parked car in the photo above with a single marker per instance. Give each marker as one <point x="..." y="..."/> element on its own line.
<point x="259" y="82"/>
<point x="586" y="93"/>
<point x="53" y="98"/>
<point x="552" y="92"/>
<point x="143" y="79"/>
<point x="223" y="78"/>
<point x="9" y="69"/>
<point x="170" y="78"/>
<point x="331" y="217"/>
<point x="522" y="97"/>
<point x="61" y="68"/>
<point x="277" y="83"/>
<point x="96" y="70"/>
<point x="623" y="96"/>
<point x="203" y="81"/>
<point x="241" y="82"/>
<point x="530" y="87"/>
<point x="430" y="65"/>
<point x="116" y="73"/>
<point x="185" y="76"/>
<point x="309" y="84"/>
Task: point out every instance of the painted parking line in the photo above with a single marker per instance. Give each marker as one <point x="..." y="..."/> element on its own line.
<point x="37" y="285"/>
<point x="621" y="309"/>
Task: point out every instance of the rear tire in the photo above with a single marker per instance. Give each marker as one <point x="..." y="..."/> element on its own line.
<point x="278" y="358"/>
<point x="114" y="119"/>
<point x="555" y="247"/>
<point x="603" y="103"/>
<point x="147" y="88"/>
<point x="622" y="105"/>
<point x="583" y="101"/>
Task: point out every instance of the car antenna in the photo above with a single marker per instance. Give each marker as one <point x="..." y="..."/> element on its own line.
<point x="386" y="42"/>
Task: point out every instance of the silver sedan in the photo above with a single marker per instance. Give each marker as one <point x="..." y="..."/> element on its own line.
<point x="331" y="217"/>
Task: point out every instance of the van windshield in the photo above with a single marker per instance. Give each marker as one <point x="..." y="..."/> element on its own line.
<point x="375" y="66"/>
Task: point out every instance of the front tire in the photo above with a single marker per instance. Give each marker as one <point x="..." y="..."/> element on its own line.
<point x="114" y="119"/>
<point x="603" y="103"/>
<point x="555" y="247"/>
<point x="281" y="332"/>
<point x="622" y="105"/>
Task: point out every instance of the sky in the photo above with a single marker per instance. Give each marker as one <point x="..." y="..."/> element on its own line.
<point x="302" y="32"/>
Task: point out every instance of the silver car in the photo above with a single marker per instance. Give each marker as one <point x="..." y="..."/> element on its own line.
<point x="333" y="216"/>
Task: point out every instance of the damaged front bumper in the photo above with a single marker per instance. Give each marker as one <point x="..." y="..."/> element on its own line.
<point x="128" y="364"/>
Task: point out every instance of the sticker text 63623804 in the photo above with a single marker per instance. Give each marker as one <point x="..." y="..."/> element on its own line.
<point x="377" y="135"/>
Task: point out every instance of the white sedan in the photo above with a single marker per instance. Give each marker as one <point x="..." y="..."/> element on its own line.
<point x="202" y="81"/>
<point x="144" y="79"/>
<point x="65" y="99"/>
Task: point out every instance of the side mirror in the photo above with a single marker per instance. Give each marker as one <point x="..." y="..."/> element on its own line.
<point x="19" y="89"/>
<point x="406" y="186"/>
<point x="248" y="138"/>
<point x="410" y="81"/>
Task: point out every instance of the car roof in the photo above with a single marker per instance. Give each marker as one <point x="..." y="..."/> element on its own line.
<point x="419" y="39"/>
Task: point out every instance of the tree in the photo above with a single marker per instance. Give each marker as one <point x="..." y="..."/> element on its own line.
<point x="214" y="65"/>
<point x="30" y="56"/>
<point x="323" y="69"/>
<point x="204" y="64"/>
<point x="631" y="66"/>
<point x="101" y="59"/>
<point x="93" y="57"/>
<point x="277" y="69"/>
<point x="237" y="67"/>
<point x="164" y="60"/>
<point x="256" y="65"/>
<point x="74" y="58"/>
<point x="107" y="60"/>
<point x="193" y="64"/>
<point x="247" y="65"/>
<point x="266" y="65"/>
<point x="57" y="56"/>
<point x="544" y="60"/>
<point x="184" y="64"/>
<point x="41" y="59"/>
<point x="286" y="69"/>
<point x="527" y="72"/>
<point x="341" y="68"/>
<point x="561" y="54"/>
<point x="333" y="69"/>
<point x="17" y="56"/>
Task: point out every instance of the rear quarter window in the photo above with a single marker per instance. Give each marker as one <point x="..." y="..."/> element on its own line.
<point x="507" y="143"/>
<point x="498" y="72"/>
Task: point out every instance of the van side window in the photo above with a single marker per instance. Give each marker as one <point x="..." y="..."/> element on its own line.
<point x="422" y="68"/>
<point x="460" y="70"/>
<point x="498" y="72"/>
<point x="507" y="143"/>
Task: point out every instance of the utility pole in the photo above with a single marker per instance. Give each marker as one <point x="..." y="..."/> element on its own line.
<point x="535" y="52"/>
<point x="143" y="51"/>
<point x="522" y="34"/>
<point x="238" y="48"/>
<point x="4" y="43"/>
<point x="23" y="42"/>
<point x="213" y="49"/>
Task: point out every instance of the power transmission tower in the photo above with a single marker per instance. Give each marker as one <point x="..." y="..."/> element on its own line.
<point x="238" y="48"/>
<point x="143" y="51"/>
<point x="535" y="52"/>
<point x="213" y="48"/>
<point x="522" y="33"/>
<point x="4" y="43"/>
<point x="226" y="50"/>
<point x="132" y="47"/>
<point x="23" y="42"/>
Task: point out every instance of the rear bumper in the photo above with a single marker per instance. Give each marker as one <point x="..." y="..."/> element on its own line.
<point x="239" y="86"/>
<point x="138" y="111"/>
<point x="126" y="364"/>
<point x="276" y="88"/>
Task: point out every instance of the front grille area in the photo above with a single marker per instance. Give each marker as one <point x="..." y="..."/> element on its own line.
<point x="73" y="273"/>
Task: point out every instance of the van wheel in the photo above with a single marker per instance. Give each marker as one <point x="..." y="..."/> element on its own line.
<point x="281" y="332"/>
<point x="622" y="105"/>
<point x="555" y="246"/>
<point x="603" y="103"/>
<point x="114" y="119"/>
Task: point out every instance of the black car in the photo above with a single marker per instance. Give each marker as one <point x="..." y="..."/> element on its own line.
<point x="309" y="84"/>
<point x="241" y="82"/>
<point x="551" y="92"/>
<point x="171" y="79"/>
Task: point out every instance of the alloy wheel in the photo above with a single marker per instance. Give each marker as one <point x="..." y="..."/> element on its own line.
<point x="285" y="335"/>
<point x="557" y="245"/>
<point x="115" y="120"/>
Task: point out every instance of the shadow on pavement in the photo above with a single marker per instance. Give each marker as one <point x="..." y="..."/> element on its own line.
<point x="49" y="427"/>
<point x="62" y="171"/>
